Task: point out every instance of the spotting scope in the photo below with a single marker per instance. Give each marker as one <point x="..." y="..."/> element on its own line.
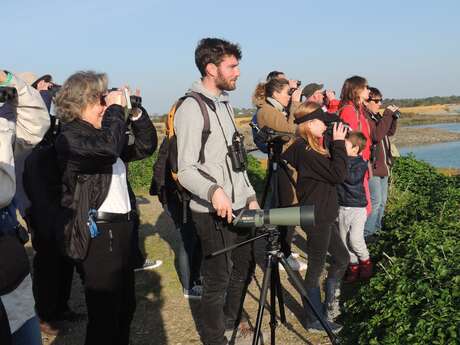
<point x="303" y="216"/>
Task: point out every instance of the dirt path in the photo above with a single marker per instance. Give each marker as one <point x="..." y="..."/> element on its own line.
<point x="163" y="316"/>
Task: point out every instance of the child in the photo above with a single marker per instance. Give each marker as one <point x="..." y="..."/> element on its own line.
<point x="320" y="170"/>
<point x="352" y="210"/>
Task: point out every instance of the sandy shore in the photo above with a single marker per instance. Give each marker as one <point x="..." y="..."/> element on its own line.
<point x="410" y="136"/>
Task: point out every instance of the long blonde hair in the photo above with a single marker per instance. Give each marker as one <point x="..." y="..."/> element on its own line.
<point x="303" y="130"/>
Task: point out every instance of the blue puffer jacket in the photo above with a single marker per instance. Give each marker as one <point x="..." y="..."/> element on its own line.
<point x="351" y="193"/>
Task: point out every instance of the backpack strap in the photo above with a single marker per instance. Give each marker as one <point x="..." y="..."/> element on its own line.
<point x="202" y="102"/>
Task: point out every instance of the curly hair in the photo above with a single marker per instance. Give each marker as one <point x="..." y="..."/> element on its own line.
<point x="79" y="90"/>
<point x="213" y="50"/>
<point x="267" y="89"/>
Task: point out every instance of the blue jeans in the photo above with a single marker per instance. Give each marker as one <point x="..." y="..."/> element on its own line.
<point x="378" y="187"/>
<point x="28" y="334"/>
<point x="189" y="251"/>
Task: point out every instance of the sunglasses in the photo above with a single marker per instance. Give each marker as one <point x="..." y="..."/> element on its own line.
<point x="375" y="100"/>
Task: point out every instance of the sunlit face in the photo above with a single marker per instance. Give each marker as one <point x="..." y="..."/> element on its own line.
<point x="283" y="96"/>
<point x="228" y="72"/>
<point x="351" y="150"/>
<point x="93" y="113"/>
<point x="373" y="104"/>
<point x="316" y="127"/>
<point x="317" y="97"/>
<point x="363" y="94"/>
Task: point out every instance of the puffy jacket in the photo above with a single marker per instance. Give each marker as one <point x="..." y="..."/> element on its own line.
<point x="351" y="192"/>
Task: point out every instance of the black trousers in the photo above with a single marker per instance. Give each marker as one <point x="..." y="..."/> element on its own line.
<point x="225" y="277"/>
<point x="321" y="239"/>
<point x="286" y="197"/>
<point x="52" y="282"/>
<point x="108" y="279"/>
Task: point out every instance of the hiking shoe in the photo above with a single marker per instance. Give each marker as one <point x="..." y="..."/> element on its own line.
<point x="365" y="269"/>
<point x="352" y="273"/>
<point x="194" y="293"/>
<point x="296" y="265"/>
<point x="149" y="265"/>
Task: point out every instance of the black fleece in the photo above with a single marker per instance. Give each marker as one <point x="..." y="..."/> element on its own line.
<point x="318" y="176"/>
<point x="351" y="192"/>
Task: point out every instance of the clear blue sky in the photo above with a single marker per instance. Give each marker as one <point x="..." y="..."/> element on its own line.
<point x="406" y="48"/>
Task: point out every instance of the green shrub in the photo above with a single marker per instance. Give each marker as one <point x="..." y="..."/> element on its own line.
<point x="414" y="297"/>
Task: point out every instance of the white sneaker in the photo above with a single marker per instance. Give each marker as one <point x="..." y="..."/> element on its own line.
<point x="149" y="265"/>
<point x="296" y="265"/>
<point x="194" y="293"/>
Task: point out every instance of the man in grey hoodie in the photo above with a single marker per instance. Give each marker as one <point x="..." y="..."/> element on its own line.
<point x="217" y="190"/>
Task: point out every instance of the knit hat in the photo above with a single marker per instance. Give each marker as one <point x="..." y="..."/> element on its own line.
<point x="310" y="89"/>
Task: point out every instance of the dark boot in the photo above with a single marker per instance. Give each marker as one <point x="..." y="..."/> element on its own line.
<point x="365" y="269"/>
<point x="331" y="302"/>
<point x="313" y="324"/>
<point x="352" y="273"/>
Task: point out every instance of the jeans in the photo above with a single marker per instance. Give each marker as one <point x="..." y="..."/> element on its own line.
<point x="378" y="187"/>
<point x="351" y="226"/>
<point x="225" y="276"/>
<point x="28" y="334"/>
<point x="189" y="255"/>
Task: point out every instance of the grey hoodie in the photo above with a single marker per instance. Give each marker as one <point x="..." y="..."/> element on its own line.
<point x="188" y="125"/>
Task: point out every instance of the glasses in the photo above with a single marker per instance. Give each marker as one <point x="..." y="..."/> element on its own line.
<point x="375" y="100"/>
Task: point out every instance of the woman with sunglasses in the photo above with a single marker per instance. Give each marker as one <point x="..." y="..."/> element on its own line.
<point x="92" y="150"/>
<point x="272" y="100"/>
<point x="382" y="127"/>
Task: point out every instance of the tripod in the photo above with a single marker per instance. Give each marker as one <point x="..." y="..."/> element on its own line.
<point x="275" y="163"/>
<point x="271" y="279"/>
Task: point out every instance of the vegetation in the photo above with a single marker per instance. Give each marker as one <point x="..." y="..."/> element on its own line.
<point x="415" y="102"/>
<point x="414" y="298"/>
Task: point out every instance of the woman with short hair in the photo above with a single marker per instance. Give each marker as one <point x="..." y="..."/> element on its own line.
<point x="92" y="150"/>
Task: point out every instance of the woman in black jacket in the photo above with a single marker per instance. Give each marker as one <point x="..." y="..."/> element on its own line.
<point x="319" y="171"/>
<point x="92" y="150"/>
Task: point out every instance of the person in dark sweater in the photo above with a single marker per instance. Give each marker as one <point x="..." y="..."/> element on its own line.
<point x="352" y="210"/>
<point x="319" y="171"/>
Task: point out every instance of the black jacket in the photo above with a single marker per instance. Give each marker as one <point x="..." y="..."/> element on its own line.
<point x="351" y="191"/>
<point x="85" y="150"/>
<point x="318" y="176"/>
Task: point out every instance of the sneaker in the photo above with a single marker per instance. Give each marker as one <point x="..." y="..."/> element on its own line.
<point x="295" y="255"/>
<point x="149" y="265"/>
<point x="48" y="328"/>
<point x="296" y="265"/>
<point x="317" y="327"/>
<point x="194" y="293"/>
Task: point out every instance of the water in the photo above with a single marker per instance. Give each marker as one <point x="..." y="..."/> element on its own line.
<point x="443" y="155"/>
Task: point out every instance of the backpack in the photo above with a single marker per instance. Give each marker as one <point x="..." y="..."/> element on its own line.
<point x="260" y="144"/>
<point x="165" y="183"/>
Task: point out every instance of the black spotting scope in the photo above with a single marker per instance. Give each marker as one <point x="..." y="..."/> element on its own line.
<point x="303" y="216"/>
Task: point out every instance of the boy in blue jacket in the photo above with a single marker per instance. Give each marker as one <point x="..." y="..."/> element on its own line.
<point x="352" y="210"/>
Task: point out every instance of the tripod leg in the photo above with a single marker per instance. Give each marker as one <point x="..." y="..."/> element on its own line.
<point x="279" y="291"/>
<point x="263" y="297"/>
<point x="301" y="289"/>
<point x="266" y="187"/>
<point x="273" y="293"/>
